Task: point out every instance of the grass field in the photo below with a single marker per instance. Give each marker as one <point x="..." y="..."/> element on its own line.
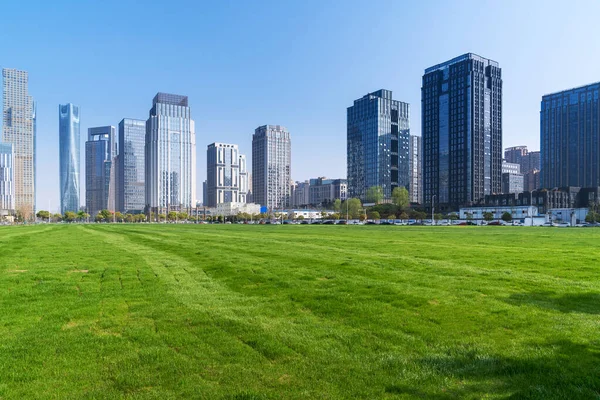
<point x="299" y="312"/>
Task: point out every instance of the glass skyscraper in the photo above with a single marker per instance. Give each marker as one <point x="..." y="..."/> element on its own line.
<point x="100" y="150"/>
<point x="570" y="138"/>
<point x="271" y="166"/>
<point x="69" y="161"/>
<point x="462" y="131"/>
<point x="378" y="144"/>
<point x="131" y="191"/>
<point x="226" y="176"/>
<point x="7" y="177"/>
<point x="170" y="155"/>
<point x="18" y="128"/>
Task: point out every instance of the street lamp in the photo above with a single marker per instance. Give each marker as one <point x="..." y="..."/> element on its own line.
<point x="432" y="208"/>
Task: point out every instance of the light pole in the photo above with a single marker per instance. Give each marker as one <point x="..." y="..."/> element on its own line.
<point x="347" y="214"/>
<point x="432" y="208"/>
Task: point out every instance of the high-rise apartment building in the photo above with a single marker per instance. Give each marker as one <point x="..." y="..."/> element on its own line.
<point x="19" y="129"/>
<point x="226" y="175"/>
<point x="7" y="180"/>
<point x="462" y="131"/>
<point x="69" y="160"/>
<point x="131" y="191"/>
<point x="377" y="144"/>
<point x="170" y="155"/>
<point x="100" y="150"/>
<point x="415" y="163"/>
<point x="271" y="166"/>
<point x="570" y="138"/>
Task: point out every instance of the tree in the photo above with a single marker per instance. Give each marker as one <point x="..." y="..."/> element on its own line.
<point x="400" y="197"/>
<point x="70" y="216"/>
<point x="374" y="215"/>
<point x="129" y="217"/>
<point x="162" y="217"/>
<point x="375" y="194"/>
<point x="488" y="216"/>
<point x="506" y="216"/>
<point x="437" y="216"/>
<point x="421" y="215"/>
<point x="591" y="217"/>
<point x="300" y="218"/>
<point x="403" y="216"/>
<point x="43" y="215"/>
<point x="107" y="216"/>
<point x="452" y="217"/>
<point x="337" y="205"/>
<point x="57" y="217"/>
<point x="172" y="215"/>
<point x="99" y="217"/>
<point x="391" y="216"/>
<point x="353" y="207"/>
<point x="469" y="216"/>
<point x="362" y="217"/>
<point x="182" y="216"/>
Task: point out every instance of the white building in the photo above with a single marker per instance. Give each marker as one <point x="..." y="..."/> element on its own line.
<point x="233" y="208"/>
<point x="306" y="214"/>
<point x="226" y="175"/>
<point x="517" y="212"/>
<point x="271" y="166"/>
<point x="7" y="180"/>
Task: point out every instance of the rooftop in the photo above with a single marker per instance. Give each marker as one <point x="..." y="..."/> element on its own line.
<point x="467" y="56"/>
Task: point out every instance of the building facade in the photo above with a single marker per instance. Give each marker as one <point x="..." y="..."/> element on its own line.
<point x="515" y="154"/>
<point x="130" y="172"/>
<point x="323" y="191"/>
<point x="19" y="129"/>
<point x="226" y="175"/>
<point x="271" y="166"/>
<point x="100" y="150"/>
<point x="300" y="193"/>
<point x="170" y="155"/>
<point x="462" y="131"/>
<point x="570" y="137"/>
<point x="7" y="180"/>
<point x="415" y="170"/>
<point x="510" y="168"/>
<point x="378" y="133"/>
<point x="69" y="159"/>
<point x="512" y="183"/>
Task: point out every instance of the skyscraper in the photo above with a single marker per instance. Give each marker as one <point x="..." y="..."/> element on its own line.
<point x="7" y="176"/>
<point x="18" y="128"/>
<point x="170" y="155"/>
<point x="226" y="176"/>
<point x="69" y="165"/>
<point x="131" y="191"/>
<point x="570" y="138"/>
<point x="271" y="166"/>
<point x="378" y="144"/>
<point x="416" y="182"/>
<point x="100" y="151"/>
<point x="515" y="154"/>
<point x="462" y="131"/>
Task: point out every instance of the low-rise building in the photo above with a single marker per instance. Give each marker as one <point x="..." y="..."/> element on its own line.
<point x="234" y="208"/>
<point x="517" y="212"/>
<point x="306" y="214"/>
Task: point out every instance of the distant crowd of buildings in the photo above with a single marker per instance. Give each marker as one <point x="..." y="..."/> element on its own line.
<point x="149" y="165"/>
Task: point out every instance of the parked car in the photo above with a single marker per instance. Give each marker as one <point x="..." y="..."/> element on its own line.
<point x="563" y="225"/>
<point x="342" y="222"/>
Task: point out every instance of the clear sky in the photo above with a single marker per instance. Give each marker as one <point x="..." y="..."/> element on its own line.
<point x="294" y="63"/>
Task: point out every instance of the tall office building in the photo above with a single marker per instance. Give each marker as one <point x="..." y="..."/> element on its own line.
<point x="462" y="131"/>
<point x="530" y="162"/>
<point x="415" y="162"/>
<point x="7" y="180"/>
<point x="69" y="165"/>
<point x="19" y="129"/>
<point x="515" y="154"/>
<point x="226" y="175"/>
<point x="378" y="144"/>
<point x="130" y="173"/>
<point x="170" y="155"/>
<point x="570" y="138"/>
<point x="100" y="150"/>
<point x="271" y="166"/>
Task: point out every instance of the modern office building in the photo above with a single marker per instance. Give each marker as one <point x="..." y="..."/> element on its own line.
<point x="7" y="180"/>
<point x="324" y="191"/>
<point x="570" y="138"/>
<point x="300" y="193"/>
<point x="226" y="175"/>
<point x="378" y="134"/>
<point x="510" y="168"/>
<point x="512" y="182"/>
<point x="415" y="168"/>
<point x="462" y="131"/>
<point x="271" y="166"/>
<point x="69" y="160"/>
<point x="515" y="154"/>
<point x="130" y="172"/>
<point x="531" y="162"/>
<point x="531" y="181"/>
<point x="100" y="150"/>
<point x="170" y="155"/>
<point x="19" y="129"/>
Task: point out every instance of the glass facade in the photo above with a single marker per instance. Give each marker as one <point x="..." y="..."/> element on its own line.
<point x="100" y="150"/>
<point x="170" y="150"/>
<point x="131" y="191"/>
<point x="462" y="131"/>
<point x="271" y="166"/>
<point x="570" y="138"/>
<point x="226" y="176"/>
<point x="18" y="128"/>
<point x="377" y="144"/>
<point x="7" y="176"/>
<point x="68" y="131"/>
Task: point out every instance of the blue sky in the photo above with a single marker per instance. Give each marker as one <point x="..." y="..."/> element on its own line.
<point x="295" y="63"/>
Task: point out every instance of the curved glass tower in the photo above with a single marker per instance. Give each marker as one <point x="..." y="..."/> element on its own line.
<point x="68" y="116"/>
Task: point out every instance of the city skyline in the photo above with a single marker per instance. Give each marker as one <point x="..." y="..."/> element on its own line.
<point x="321" y="61"/>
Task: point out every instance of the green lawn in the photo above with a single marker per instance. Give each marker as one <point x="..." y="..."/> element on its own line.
<point x="299" y="312"/>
